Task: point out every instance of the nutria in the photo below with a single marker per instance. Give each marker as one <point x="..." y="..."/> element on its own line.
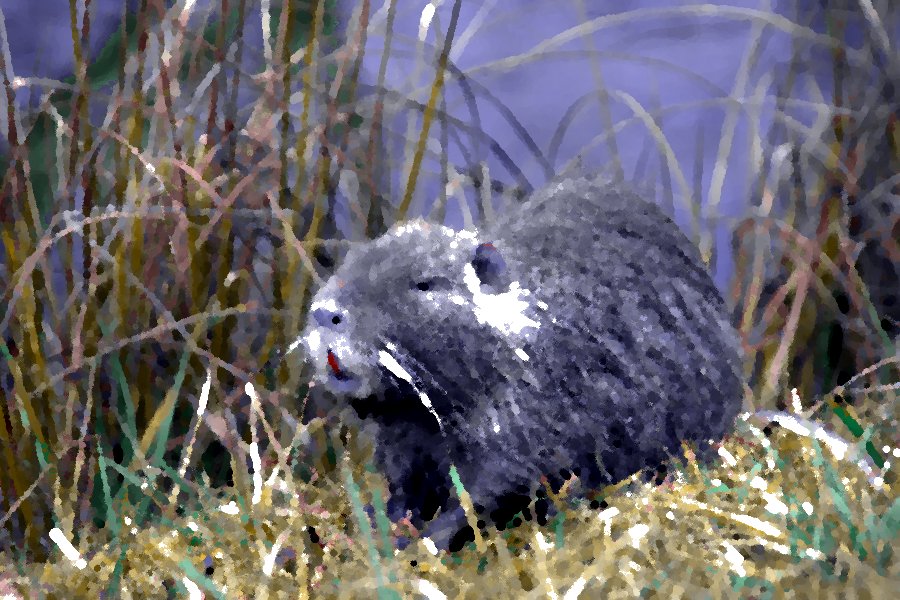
<point x="579" y="334"/>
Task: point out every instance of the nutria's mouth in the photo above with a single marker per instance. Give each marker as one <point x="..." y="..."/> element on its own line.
<point x="338" y="378"/>
<point x="334" y="365"/>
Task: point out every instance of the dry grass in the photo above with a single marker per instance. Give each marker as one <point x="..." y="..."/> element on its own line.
<point x="782" y="514"/>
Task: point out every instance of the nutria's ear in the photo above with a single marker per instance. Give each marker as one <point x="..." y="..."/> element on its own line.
<point x="490" y="267"/>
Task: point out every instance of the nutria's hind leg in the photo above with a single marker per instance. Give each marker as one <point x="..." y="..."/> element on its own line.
<point x="418" y="481"/>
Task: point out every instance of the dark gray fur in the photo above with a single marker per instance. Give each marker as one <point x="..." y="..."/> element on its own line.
<point x="632" y="354"/>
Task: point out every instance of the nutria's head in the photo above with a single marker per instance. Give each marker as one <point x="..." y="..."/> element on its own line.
<point x="422" y="304"/>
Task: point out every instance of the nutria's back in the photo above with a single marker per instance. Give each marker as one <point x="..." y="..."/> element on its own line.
<point x="641" y="333"/>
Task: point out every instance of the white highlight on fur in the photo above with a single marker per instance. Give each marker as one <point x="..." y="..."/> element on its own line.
<point x="505" y="311"/>
<point x="464" y="238"/>
<point x="463" y="235"/>
<point x="521" y="354"/>
<point x="391" y="364"/>
<point x="405" y="228"/>
<point x="329" y="304"/>
<point x="313" y="342"/>
<point x="339" y="345"/>
<point x="495" y="421"/>
<point x="60" y="539"/>
<point x="426" y="401"/>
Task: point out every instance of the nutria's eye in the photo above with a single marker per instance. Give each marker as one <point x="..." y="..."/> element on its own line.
<point x="431" y="284"/>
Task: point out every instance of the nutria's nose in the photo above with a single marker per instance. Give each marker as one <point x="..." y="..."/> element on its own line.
<point x="326" y="317"/>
